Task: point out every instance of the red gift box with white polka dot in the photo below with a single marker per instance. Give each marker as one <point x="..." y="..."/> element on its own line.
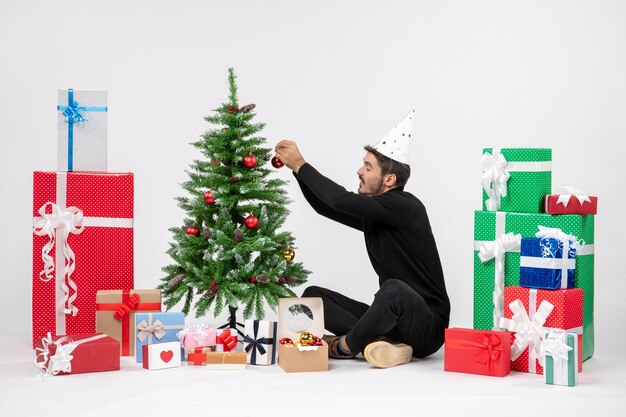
<point x="103" y="251"/>
<point x="566" y="315"/>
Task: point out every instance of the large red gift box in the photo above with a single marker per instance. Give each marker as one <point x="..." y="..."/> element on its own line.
<point x="82" y="243"/>
<point x="567" y="315"/>
<point x="572" y="206"/>
<point x="77" y="354"/>
<point x="481" y="352"/>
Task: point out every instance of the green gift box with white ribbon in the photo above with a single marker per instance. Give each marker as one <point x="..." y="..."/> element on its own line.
<point x="497" y="233"/>
<point x="560" y="350"/>
<point x="516" y="179"/>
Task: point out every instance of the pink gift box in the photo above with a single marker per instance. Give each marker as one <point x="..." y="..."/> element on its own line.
<point x="197" y="336"/>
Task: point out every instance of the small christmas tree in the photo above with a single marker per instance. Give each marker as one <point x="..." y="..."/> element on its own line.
<point x="230" y="251"/>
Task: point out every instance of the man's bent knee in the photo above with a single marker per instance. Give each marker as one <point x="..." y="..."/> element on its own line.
<point x="312" y="291"/>
<point x="394" y="288"/>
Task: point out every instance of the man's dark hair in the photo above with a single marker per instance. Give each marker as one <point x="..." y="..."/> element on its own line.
<point x="390" y="166"/>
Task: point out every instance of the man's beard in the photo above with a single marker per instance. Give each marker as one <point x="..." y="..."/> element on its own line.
<point x="376" y="191"/>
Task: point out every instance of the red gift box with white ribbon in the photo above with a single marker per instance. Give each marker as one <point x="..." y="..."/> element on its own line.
<point x="77" y="354"/>
<point x="530" y="313"/>
<point x="82" y="243"/>
<point x="570" y="200"/>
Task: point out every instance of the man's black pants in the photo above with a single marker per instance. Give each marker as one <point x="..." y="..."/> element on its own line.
<point x="398" y="312"/>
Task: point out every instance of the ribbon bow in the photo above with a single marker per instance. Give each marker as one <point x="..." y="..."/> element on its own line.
<point x="124" y="309"/>
<point x="569" y="243"/>
<point x="528" y="332"/>
<point x="565" y="193"/>
<point x="197" y="329"/>
<point x="227" y="339"/>
<point x="496" y="250"/>
<point x="490" y="349"/>
<point x="68" y="220"/>
<point x="61" y="361"/>
<point x="74" y="113"/>
<point x="256" y="344"/>
<point x="494" y="178"/>
<point x="554" y="345"/>
<point x="145" y="330"/>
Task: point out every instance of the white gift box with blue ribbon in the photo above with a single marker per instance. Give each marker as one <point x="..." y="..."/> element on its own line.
<point x="82" y="130"/>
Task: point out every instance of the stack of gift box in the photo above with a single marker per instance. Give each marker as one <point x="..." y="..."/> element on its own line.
<point x="86" y="313"/>
<point x="82" y="239"/>
<point x="533" y="273"/>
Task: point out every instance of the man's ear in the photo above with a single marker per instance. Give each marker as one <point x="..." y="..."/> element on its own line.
<point x="390" y="180"/>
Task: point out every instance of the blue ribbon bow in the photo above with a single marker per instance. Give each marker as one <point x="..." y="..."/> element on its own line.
<point x="73" y="112"/>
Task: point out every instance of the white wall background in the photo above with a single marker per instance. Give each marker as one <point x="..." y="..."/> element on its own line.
<point x="333" y="76"/>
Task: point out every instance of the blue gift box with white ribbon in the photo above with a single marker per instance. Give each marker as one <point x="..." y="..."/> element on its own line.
<point x="547" y="263"/>
<point x="82" y="130"/>
<point x="153" y="328"/>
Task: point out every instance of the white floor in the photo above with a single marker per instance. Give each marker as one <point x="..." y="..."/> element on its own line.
<point x="350" y="388"/>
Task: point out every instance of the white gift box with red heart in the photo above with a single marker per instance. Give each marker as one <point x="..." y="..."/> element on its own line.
<point x="161" y="356"/>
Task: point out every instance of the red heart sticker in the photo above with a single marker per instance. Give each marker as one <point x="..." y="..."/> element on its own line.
<point x="167" y="356"/>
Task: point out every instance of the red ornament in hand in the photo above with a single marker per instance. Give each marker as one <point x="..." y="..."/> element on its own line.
<point x="251" y="221"/>
<point x="277" y="163"/>
<point x="249" y="161"/>
<point x="193" y="230"/>
<point x="253" y="280"/>
<point x="208" y="198"/>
